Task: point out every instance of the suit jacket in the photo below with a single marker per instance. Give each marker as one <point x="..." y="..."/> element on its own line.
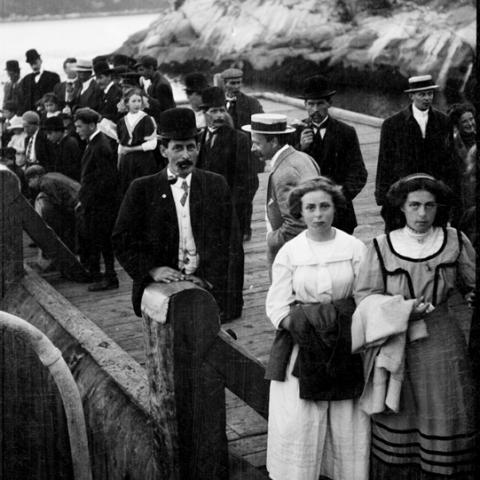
<point x="109" y="101"/>
<point x="99" y="178"/>
<point x="290" y="168"/>
<point x="339" y="157"/>
<point x="60" y="89"/>
<point x="146" y="232"/>
<point x="32" y="92"/>
<point x="160" y="96"/>
<point x="243" y="109"/>
<point x="68" y="156"/>
<point x="403" y="151"/>
<point x="12" y="93"/>
<point x="44" y="151"/>
<point x="91" y="97"/>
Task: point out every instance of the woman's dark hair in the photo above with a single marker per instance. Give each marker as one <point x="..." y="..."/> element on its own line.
<point x="457" y="110"/>
<point x="313" y="185"/>
<point x="50" y="97"/>
<point x="398" y="193"/>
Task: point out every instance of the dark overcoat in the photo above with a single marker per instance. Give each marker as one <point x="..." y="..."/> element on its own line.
<point x="403" y="151"/>
<point x="109" y="103"/>
<point x="160" y="96"/>
<point x="244" y="107"/>
<point x="31" y="92"/>
<point x="146" y="231"/>
<point x="339" y="157"/>
<point x="91" y="97"/>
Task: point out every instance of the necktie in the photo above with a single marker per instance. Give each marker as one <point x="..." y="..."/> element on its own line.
<point x="185" y="193"/>
<point x="28" y="153"/>
<point x="211" y="138"/>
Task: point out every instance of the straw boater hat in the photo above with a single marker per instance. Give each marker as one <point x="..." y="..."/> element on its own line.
<point x="15" y="123"/>
<point x="268" y="124"/>
<point x="83" y="66"/>
<point x="421" y="83"/>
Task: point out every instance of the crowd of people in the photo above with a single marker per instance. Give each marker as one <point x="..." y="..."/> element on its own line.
<point x="370" y="369"/>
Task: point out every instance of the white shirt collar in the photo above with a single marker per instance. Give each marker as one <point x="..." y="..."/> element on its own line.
<point x="277" y="154"/>
<point x="86" y="84"/>
<point x="93" y="135"/>
<point x="321" y="124"/>
<point x="109" y="86"/>
<point x="180" y="180"/>
<point x="419" y="113"/>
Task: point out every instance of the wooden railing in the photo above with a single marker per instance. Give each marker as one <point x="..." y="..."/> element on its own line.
<point x="190" y="362"/>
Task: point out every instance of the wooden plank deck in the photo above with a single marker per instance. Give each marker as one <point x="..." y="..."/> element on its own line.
<point x="112" y="310"/>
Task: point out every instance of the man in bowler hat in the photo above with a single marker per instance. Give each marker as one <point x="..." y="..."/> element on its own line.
<point x="289" y="167"/>
<point x="36" y="84"/>
<point x="195" y="83"/>
<point x="177" y="224"/>
<point x="333" y="145"/>
<point x="11" y="89"/>
<point x="415" y="140"/>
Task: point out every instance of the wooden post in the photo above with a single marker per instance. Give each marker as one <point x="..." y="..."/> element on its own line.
<point x="187" y="395"/>
<point x="11" y="237"/>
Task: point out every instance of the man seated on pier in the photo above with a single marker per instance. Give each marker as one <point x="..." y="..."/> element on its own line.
<point x="66" y="149"/>
<point x="333" y="145"/>
<point x="288" y="168"/>
<point x="415" y="140"/>
<point x="56" y="196"/>
<point x="178" y="224"/>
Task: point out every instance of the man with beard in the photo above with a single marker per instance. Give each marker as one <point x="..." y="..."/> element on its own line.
<point x="98" y="199"/>
<point x="415" y="140"/>
<point x="36" y="84"/>
<point x="333" y="145"/>
<point x="177" y="224"/>
<point x="289" y="167"/>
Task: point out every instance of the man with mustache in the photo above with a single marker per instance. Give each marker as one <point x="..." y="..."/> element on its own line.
<point x="415" y="140"/>
<point x="333" y="145"/>
<point x="179" y="224"/>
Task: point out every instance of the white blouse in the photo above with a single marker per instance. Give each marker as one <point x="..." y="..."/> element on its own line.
<point x="308" y="271"/>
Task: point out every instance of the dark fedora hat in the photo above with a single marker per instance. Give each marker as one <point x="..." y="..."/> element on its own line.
<point x="195" y="82"/>
<point x="421" y="83"/>
<point x="12" y="66"/>
<point x="101" y="67"/>
<point x="177" y="124"/>
<point x="213" y="97"/>
<point x="53" y="124"/>
<point x="121" y="59"/>
<point x="31" y="56"/>
<point x="317" y="87"/>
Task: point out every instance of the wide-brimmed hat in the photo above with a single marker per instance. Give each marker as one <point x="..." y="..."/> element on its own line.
<point x="195" y="82"/>
<point x="231" y="74"/>
<point x="101" y="67"/>
<point x="121" y="59"/>
<point x="268" y="124"/>
<point x="15" y="122"/>
<point x="213" y="97"/>
<point x="421" y="83"/>
<point x="83" y="66"/>
<point x="12" y="66"/>
<point x="31" y="56"/>
<point x="316" y="88"/>
<point x="53" y="124"/>
<point x="177" y="124"/>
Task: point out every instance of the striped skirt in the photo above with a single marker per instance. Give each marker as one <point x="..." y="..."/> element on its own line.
<point x="434" y="433"/>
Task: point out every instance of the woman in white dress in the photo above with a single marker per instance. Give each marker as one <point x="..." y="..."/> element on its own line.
<point x="324" y="433"/>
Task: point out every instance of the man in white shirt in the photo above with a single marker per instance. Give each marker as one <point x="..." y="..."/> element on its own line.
<point x="415" y="140"/>
<point x="89" y="94"/>
<point x="177" y="224"/>
<point x="288" y="168"/>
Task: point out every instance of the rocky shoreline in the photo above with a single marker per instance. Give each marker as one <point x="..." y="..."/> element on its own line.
<point x="279" y="42"/>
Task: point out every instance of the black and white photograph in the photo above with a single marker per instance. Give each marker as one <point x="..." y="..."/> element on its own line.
<point x="238" y="240"/>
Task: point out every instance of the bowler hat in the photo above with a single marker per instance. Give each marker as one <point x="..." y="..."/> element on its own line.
<point x="31" y="56"/>
<point x="195" y="82"/>
<point x="146" y="61"/>
<point x="231" y="73"/>
<point x="120" y="59"/>
<point x="101" y="67"/>
<point x="83" y="66"/>
<point x="53" y="124"/>
<point x="421" y="83"/>
<point x="213" y="97"/>
<point x="268" y="124"/>
<point x="316" y="88"/>
<point x="177" y="124"/>
<point x="12" y="66"/>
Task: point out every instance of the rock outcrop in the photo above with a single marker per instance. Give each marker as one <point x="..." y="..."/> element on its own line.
<point x="362" y="37"/>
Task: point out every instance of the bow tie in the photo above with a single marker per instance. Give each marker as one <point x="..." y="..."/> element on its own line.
<point x="37" y="73"/>
<point x="232" y="99"/>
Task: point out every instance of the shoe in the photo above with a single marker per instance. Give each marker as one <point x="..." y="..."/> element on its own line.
<point x="105" y="284"/>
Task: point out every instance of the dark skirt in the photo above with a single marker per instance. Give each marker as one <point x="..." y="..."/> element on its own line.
<point x="134" y="165"/>
<point x="434" y="434"/>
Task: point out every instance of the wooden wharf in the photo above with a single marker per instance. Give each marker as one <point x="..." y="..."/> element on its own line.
<point x="112" y="312"/>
